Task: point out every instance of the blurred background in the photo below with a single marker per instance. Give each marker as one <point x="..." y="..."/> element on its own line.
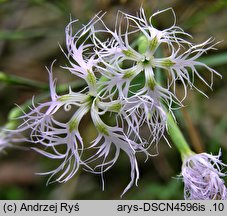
<point x="30" y="31"/>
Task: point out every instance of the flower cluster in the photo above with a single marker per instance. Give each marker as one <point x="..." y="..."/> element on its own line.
<point x="121" y="68"/>
<point x="201" y="174"/>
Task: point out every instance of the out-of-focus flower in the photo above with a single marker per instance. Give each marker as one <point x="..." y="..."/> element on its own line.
<point x="202" y="175"/>
<point x="9" y="139"/>
<point x="4" y="140"/>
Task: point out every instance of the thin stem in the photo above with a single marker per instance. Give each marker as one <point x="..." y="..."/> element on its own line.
<point x="16" y="80"/>
<point x="178" y="138"/>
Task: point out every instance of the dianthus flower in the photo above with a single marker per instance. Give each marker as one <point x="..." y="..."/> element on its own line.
<point x="202" y="175"/>
<point x="120" y="82"/>
<point x="180" y="61"/>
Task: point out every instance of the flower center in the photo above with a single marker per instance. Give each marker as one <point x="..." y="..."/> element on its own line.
<point x="148" y="60"/>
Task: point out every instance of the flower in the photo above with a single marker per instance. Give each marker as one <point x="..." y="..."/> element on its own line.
<point x="121" y="82"/>
<point x="80" y="55"/>
<point x="9" y="138"/>
<point x="202" y="175"/>
<point x="107" y="137"/>
<point x="179" y="61"/>
<point x="183" y="66"/>
<point x="4" y="140"/>
<point x="50" y="134"/>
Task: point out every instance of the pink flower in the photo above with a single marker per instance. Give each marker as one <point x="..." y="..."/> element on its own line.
<point x="202" y="176"/>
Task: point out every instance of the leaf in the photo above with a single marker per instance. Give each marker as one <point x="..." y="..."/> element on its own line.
<point x="215" y="60"/>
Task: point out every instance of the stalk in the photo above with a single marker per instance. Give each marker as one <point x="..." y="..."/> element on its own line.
<point x="177" y="137"/>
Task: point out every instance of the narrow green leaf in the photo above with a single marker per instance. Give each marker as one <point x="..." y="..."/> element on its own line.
<point x="16" y="80"/>
<point x="215" y="60"/>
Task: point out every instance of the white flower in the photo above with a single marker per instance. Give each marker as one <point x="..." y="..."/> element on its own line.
<point x="80" y="54"/>
<point x="107" y="137"/>
<point x="202" y="175"/>
<point x="122" y="59"/>
<point x="48" y="133"/>
<point x="121" y="81"/>
<point x="146" y="110"/>
<point x="183" y="66"/>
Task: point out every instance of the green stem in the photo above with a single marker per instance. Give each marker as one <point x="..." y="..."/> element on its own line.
<point x="16" y="80"/>
<point x="178" y="138"/>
